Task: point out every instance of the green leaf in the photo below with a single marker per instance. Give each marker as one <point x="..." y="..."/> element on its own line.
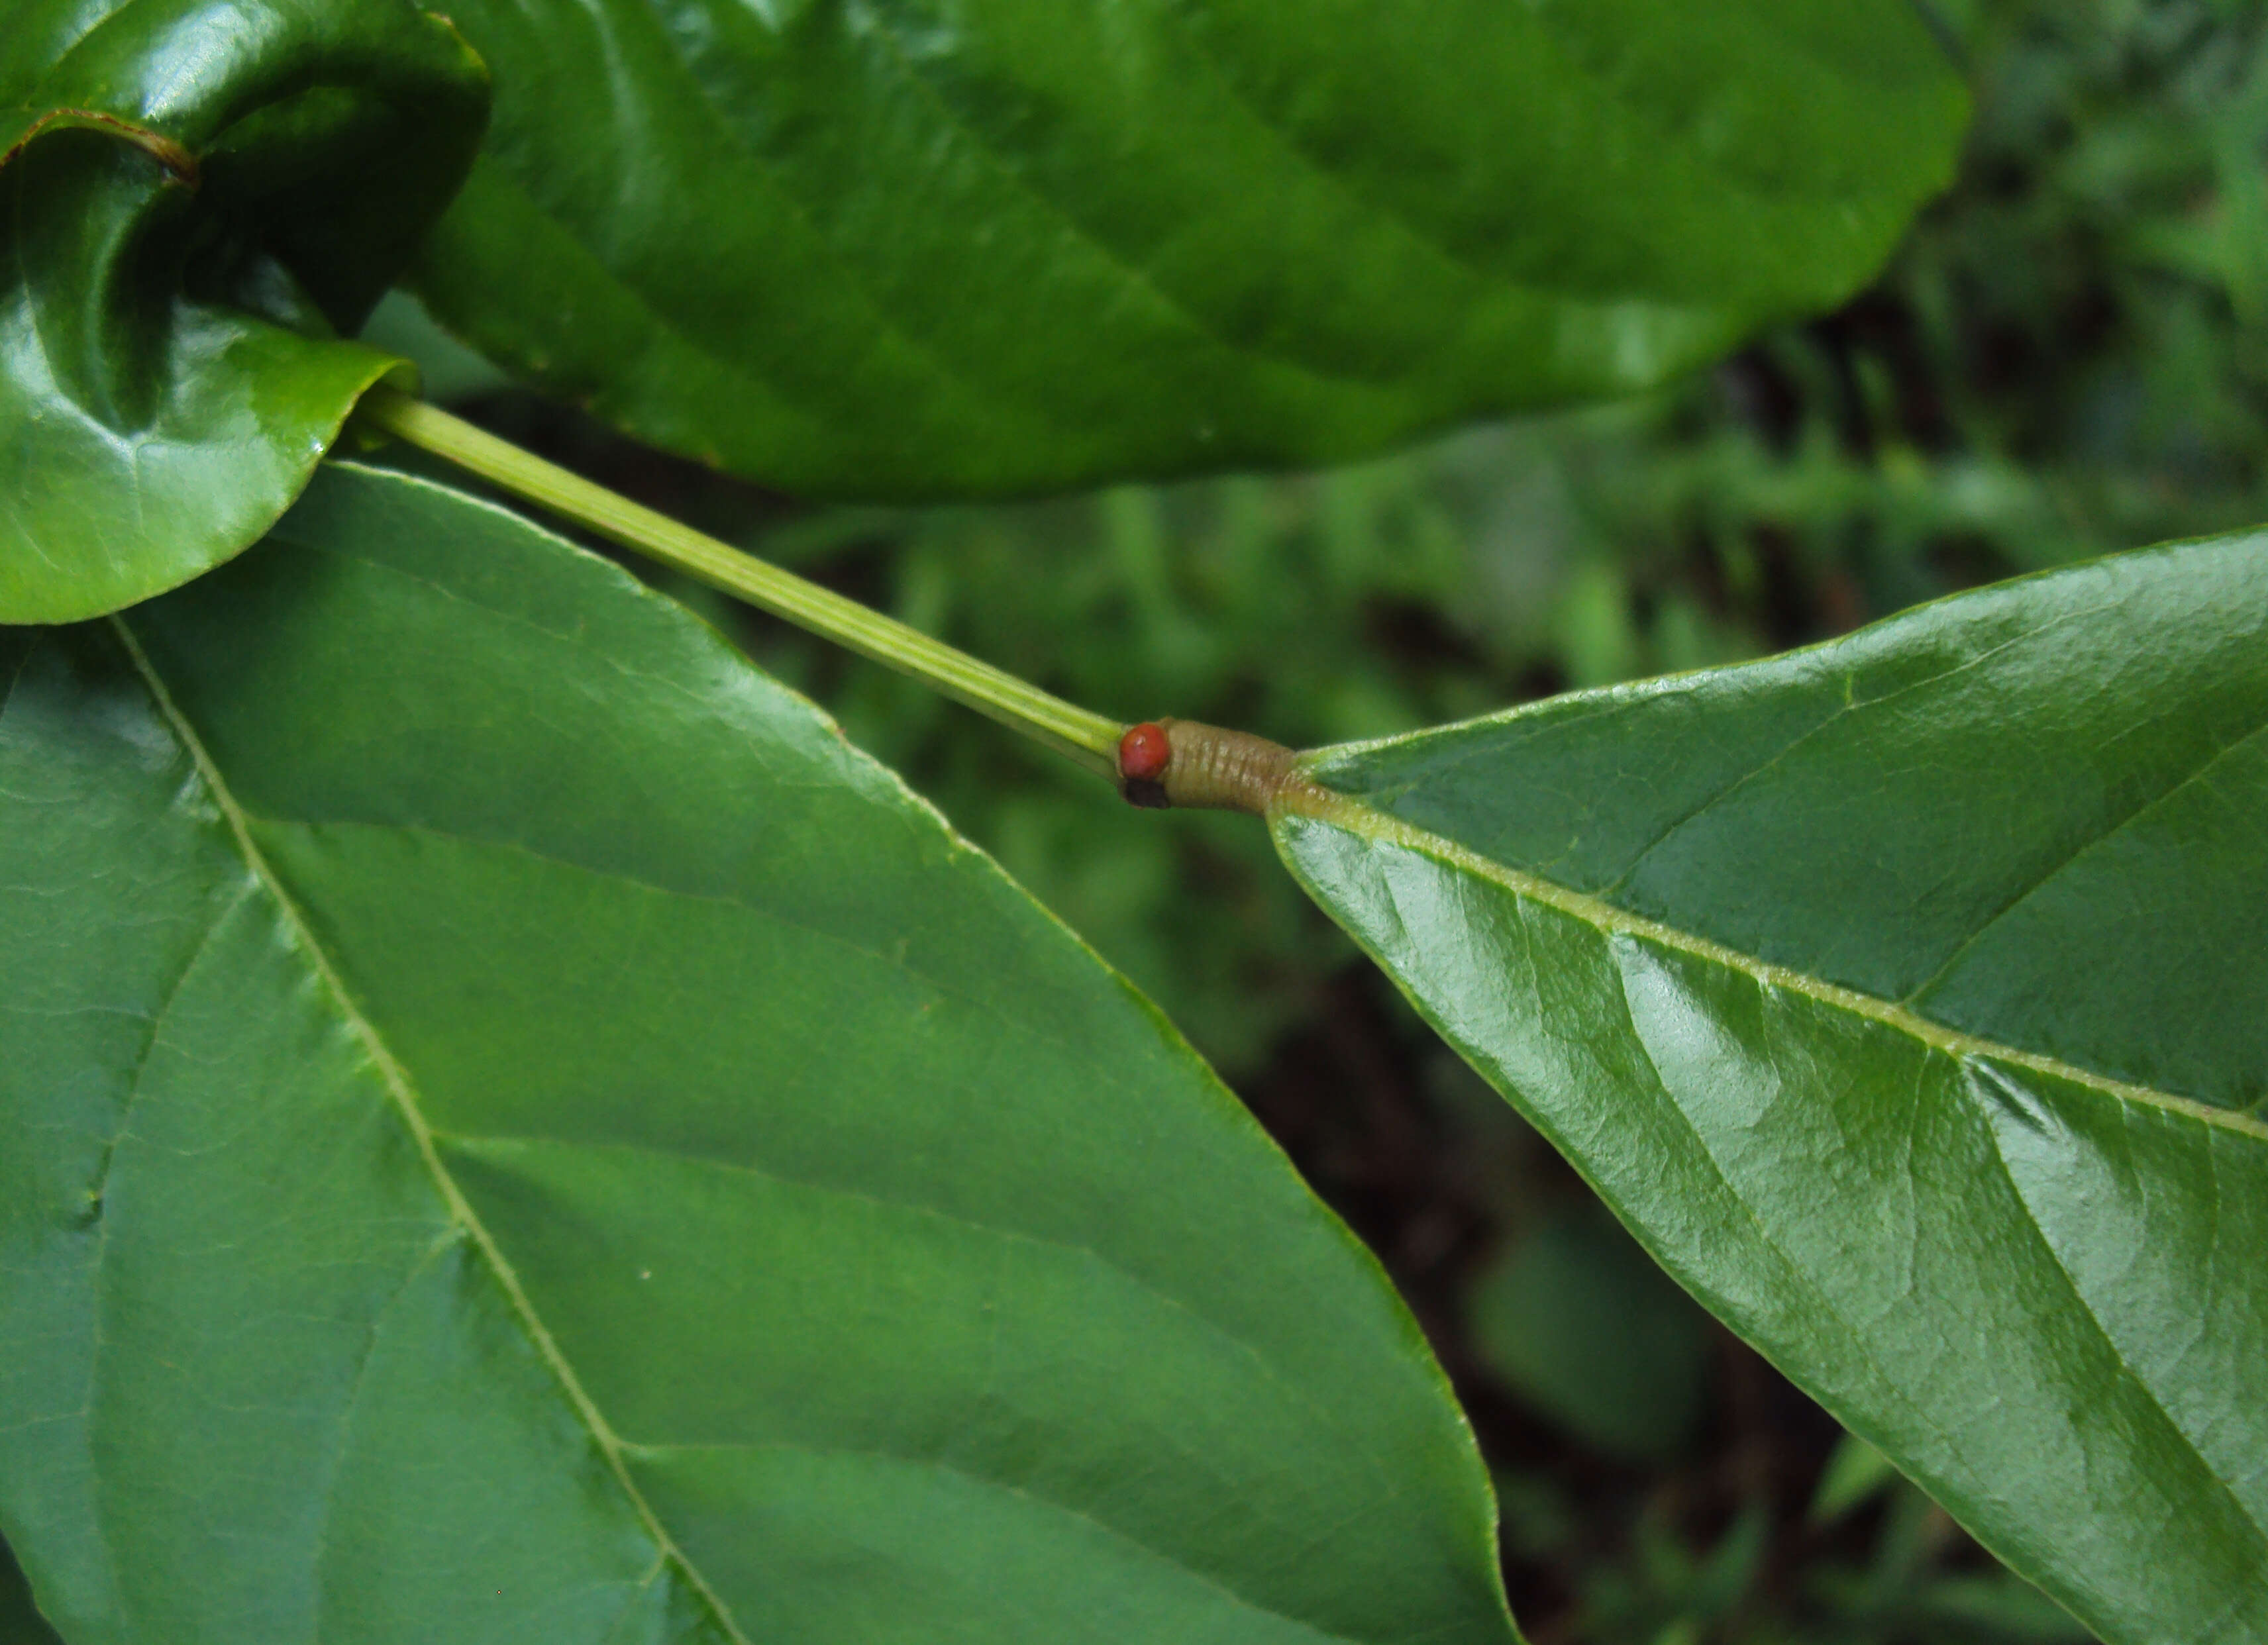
<point x="1907" y="996"/>
<point x="196" y="196"/>
<point x="1856" y="1472"/>
<point x="513" y="1130"/>
<point x="1582" y="1326"/>
<point x="915" y="248"/>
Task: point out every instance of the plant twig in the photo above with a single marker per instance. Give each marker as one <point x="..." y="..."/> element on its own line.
<point x="1078" y="734"/>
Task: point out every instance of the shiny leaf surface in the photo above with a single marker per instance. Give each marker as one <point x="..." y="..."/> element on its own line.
<point x="511" y="1129"/>
<point x="929" y="247"/>
<point x="1907" y="996"/>
<point x="196" y="196"/>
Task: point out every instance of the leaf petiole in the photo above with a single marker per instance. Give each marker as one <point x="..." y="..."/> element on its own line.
<point x="1085" y="738"/>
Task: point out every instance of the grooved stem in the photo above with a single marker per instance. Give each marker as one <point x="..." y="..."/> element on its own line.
<point x="1085" y="738"/>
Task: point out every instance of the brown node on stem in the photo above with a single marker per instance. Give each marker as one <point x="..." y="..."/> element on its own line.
<point x="1204" y="767"/>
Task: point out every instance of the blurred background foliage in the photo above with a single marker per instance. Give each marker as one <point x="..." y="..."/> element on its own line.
<point x="2067" y="357"/>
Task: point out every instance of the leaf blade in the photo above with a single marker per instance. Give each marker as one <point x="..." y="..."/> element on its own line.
<point x="934" y="1250"/>
<point x="1210" y="236"/>
<point x="1981" y="1241"/>
<point x="198" y="197"/>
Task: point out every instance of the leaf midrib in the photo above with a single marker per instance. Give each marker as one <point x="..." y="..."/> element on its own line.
<point x="1356" y="816"/>
<point x="398" y="1086"/>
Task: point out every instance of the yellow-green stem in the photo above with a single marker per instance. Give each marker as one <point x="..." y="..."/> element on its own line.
<point x="1088" y="739"/>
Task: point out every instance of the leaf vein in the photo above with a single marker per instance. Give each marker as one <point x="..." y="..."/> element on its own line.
<point x="404" y="1096"/>
<point x="2201" y="776"/>
<point x="939" y="1465"/>
<point x="2104" y="1333"/>
<point x="1132" y="272"/>
<point x="1394" y="1485"/>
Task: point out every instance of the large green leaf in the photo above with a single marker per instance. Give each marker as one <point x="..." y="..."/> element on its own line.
<point x="1908" y="996"/>
<point x="920" y="247"/>
<point x="193" y="193"/>
<point x="511" y="1129"/>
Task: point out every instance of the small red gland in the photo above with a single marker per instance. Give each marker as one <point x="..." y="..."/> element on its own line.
<point x="1144" y="752"/>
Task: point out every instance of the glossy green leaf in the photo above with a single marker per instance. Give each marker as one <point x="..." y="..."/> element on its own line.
<point x="927" y="247"/>
<point x="513" y="1130"/>
<point x="195" y="195"/>
<point x="1908" y="997"/>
